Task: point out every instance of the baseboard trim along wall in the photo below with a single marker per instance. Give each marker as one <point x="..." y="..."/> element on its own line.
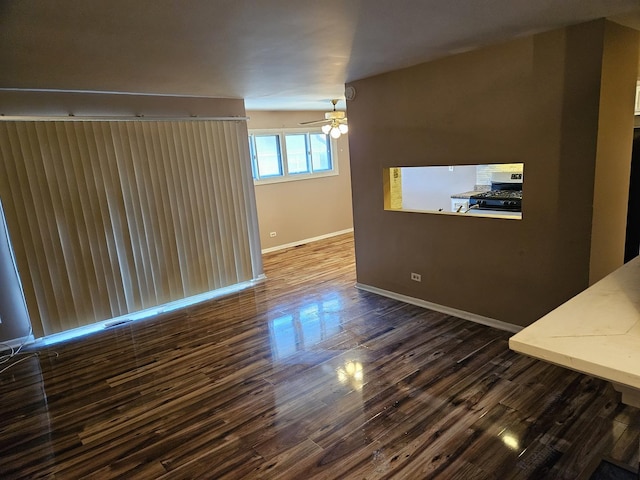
<point x="306" y="240"/>
<point x="15" y="343"/>
<point x="490" y="322"/>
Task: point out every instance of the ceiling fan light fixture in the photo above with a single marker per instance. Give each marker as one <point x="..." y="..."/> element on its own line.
<point x="335" y="115"/>
<point x="335" y="122"/>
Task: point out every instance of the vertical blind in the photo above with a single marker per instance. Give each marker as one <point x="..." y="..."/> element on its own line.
<point x="112" y="217"/>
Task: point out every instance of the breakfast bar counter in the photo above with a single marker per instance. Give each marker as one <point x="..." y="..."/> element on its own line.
<point x="597" y="332"/>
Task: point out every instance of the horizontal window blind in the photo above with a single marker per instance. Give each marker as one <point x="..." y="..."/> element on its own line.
<point x="112" y="217"/>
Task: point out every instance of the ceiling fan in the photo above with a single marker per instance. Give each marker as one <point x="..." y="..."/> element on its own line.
<point x="335" y="122"/>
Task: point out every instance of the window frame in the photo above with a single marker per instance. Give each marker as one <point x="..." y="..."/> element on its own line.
<point x="286" y="175"/>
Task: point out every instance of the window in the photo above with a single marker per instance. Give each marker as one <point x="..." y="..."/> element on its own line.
<point x="493" y="190"/>
<point x="297" y="153"/>
<point x="266" y="148"/>
<point x="290" y="154"/>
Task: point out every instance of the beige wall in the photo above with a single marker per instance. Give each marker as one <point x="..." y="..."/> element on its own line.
<point x="86" y="104"/>
<point x="615" y="139"/>
<point x="534" y="100"/>
<point x="303" y="209"/>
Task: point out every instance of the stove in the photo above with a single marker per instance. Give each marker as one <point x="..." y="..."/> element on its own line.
<point x="505" y="194"/>
<point x="498" y="200"/>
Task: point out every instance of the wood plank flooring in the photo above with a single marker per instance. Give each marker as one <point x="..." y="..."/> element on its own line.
<point x="307" y="377"/>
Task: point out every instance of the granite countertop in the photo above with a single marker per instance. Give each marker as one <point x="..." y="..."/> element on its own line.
<point x="478" y="189"/>
<point x="597" y="332"/>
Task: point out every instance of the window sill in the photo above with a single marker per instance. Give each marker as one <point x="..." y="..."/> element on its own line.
<point x="294" y="178"/>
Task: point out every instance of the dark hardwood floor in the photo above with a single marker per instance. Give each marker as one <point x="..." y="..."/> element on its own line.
<point x="307" y="377"/>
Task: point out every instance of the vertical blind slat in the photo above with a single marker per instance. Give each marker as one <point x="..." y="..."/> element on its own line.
<point x="25" y="181"/>
<point x="173" y="222"/>
<point x="207" y="172"/>
<point x="65" y="288"/>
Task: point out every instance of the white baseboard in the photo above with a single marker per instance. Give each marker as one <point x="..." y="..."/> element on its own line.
<point x="306" y="240"/>
<point x="490" y="322"/>
<point x="16" y="343"/>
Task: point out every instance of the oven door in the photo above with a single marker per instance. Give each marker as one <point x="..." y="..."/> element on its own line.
<point x="496" y="201"/>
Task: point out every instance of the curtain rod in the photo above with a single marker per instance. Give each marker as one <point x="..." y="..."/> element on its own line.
<point x="114" y="118"/>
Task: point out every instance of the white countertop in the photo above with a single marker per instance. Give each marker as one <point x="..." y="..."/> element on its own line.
<point x="482" y="212"/>
<point x="597" y="332"/>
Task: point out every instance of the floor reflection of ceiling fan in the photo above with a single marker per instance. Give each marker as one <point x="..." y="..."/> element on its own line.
<point x="335" y="122"/>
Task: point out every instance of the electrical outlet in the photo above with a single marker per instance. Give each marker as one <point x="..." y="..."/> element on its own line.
<point x="416" y="277"/>
<point x="272" y="234"/>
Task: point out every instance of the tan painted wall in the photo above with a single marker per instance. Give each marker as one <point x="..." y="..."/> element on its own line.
<point x="83" y="104"/>
<point x="614" y="147"/>
<point x="302" y="209"/>
<point x="533" y="100"/>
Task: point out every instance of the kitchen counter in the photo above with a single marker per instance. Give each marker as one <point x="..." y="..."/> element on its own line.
<point x="597" y="332"/>
<point x="468" y="194"/>
<point x="493" y="213"/>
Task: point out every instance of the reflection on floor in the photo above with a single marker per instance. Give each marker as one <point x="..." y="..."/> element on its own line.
<point x="305" y="377"/>
<point x="306" y="327"/>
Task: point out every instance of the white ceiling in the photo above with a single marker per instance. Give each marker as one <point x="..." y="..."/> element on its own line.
<point x="277" y="54"/>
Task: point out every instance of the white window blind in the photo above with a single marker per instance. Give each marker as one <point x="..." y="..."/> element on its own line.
<point x="108" y="218"/>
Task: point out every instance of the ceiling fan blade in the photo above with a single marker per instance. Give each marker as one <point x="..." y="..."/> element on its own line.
<point x="333" y="118"/>
<point x="314" y="122"/>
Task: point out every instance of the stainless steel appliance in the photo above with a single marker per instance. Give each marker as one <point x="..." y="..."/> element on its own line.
<point x="505" y="193"/>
